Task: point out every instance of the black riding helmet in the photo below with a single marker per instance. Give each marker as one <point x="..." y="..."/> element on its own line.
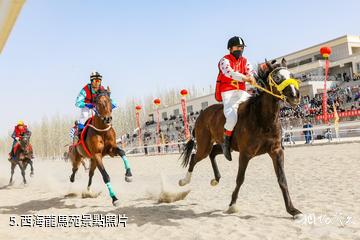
<point x="235" y="41"/>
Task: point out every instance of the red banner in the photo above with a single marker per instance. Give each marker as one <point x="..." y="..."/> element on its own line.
<point x="158" y="126"/>
<point x="351" y="113"/>
<point x="324" y="100"/>
<point x="183" y="106"/>
<point x="138" y="125"/>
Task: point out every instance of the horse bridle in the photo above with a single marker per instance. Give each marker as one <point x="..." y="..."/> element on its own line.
<point x="102" y="118"/>
<point x="279" y="87"/>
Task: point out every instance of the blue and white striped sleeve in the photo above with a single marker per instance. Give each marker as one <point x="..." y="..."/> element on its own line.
<point x="80" y="100"/>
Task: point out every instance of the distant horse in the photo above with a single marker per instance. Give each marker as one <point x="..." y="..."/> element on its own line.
<point x="97" y="140"/>
<point x="23" y="155"/>
<point x="258" y="130"/>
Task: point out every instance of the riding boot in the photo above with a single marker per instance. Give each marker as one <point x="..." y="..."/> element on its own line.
<point x="226" y="147"/>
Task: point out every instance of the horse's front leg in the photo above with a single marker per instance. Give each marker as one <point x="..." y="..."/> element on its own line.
<point x="91" y="172"/>
<point x="277" y="157"/>
<point x="116" y="151"/>
<point x="31" y="168"/>
<point x="13" y="166"/>
<point x="98" y="158"/>
<point x="22" y="168"/>
<point x="243" y="163"/>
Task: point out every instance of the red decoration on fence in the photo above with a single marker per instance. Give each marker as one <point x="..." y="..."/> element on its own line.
<point x="184" y="93"/>
<point x="138" y="109"/>
<point x="325" y="52"/>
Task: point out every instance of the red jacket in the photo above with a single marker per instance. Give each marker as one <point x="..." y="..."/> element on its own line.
<point x="229" y="65"/>
<point x="18" y="132"/>
<point x="90" y="97"/>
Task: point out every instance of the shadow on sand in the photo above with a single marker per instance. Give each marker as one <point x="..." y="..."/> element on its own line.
<point x="36" y="205"/>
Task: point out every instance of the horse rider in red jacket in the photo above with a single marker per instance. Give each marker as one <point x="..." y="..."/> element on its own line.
<point x="19" y="130"/>
<point x="234" y="72"/>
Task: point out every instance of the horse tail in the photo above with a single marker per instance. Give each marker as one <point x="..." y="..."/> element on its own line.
<point x="189" y="146"/>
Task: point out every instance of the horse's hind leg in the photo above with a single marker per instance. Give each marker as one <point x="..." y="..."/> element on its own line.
<point x="203" y="150"/>
<point x="76" y="160"/>
<point x="214" y="152"/>
<point x="84" y="165"/>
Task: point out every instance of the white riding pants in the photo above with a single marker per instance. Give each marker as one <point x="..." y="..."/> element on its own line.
<point x="231" y="101"/>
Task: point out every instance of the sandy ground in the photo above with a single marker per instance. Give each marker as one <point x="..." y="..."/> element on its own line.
<point x="323" y="183"/>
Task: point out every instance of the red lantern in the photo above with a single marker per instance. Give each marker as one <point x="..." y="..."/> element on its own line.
<point x="184" y="92"/>
<point x="138" y="107"/>
<point x="325" y="51"/>
<point x="157" y="101"/>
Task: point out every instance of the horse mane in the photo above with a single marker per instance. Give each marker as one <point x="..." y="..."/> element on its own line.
<point x="102" y="92"/>
<point x="253" y="104"/>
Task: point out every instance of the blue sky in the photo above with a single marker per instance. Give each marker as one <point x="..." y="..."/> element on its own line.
<point x="143" y="47"/>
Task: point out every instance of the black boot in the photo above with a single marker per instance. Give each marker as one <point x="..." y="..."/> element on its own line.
<point x="226" y="147"/>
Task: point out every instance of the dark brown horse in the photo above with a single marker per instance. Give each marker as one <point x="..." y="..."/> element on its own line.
<point x="23" y="157"/>
<point x="100" y="141"/>
<point x="258" y="131"/>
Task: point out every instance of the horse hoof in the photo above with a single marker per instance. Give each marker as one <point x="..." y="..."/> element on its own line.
<point x="31" y="174"/>
<point x="298" y="217"/>
<point x="182" y="182"/>
<point x="72" y="179"/>
<point x="128" y="179"/>
<point x="116" y="203"/>
<point x="232" y="209"/>
<point x="214" y="182"/>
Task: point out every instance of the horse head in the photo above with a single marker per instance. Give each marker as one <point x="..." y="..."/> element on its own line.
<point x="103" y="106"/>
<point x="25" y="140"/>
<point x="277" y="78"/>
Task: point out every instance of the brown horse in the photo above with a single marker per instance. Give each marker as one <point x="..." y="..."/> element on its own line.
<point x="100" y="141"/>
<point x="258" y="130"/>
<point x="23" y="157"/>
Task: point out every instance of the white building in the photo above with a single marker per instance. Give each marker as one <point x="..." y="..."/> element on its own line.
<point x="308" y="64"/>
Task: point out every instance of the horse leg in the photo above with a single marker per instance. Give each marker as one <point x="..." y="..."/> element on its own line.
<point x="202" y="152"/>
<point x="13" y="166"/>
<point x="215" y="151"/>
<point x="106" y="178"/>
<point x="22" y="168"/>
<point x="119" y="152"/>
<point x="84" y="165"/>
<point x="91" y="172"/>
<point x="277" y="157"/>
<point x="75" y="166"/>
<point x="243" y="163"/>
<point x="31" y="168"/>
